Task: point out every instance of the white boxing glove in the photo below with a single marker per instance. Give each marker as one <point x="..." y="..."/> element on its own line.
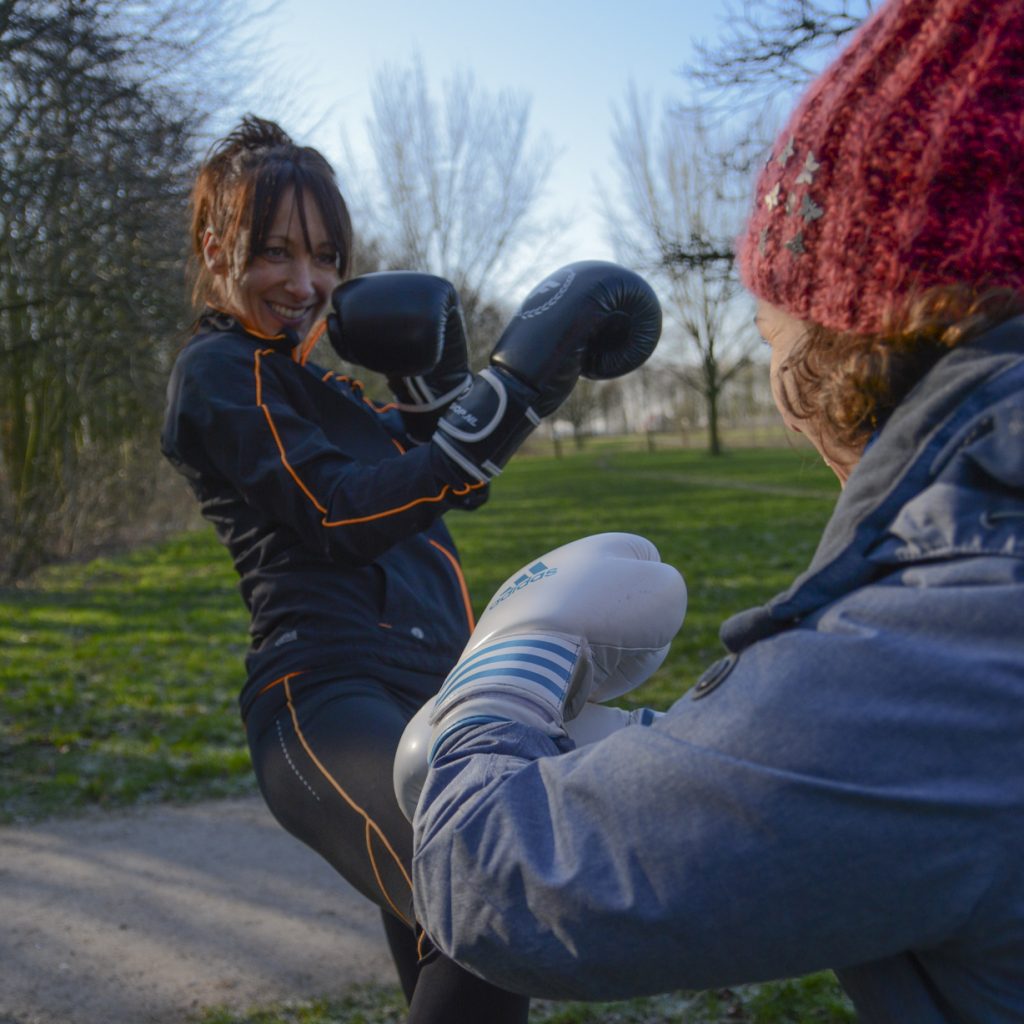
<point x="409" y="772"/>
<point x="589" y="620"/>
<point x="605" y="589"/>
<point x="593" y="723"/>
<point x="596" y="721"/>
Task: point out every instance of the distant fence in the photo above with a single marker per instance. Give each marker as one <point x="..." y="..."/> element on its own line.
<point x="752" y="435"/>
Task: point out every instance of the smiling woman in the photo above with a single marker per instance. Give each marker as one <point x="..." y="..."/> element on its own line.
<point x="333" y="517"/>
<point x="290" y="277"/>
<point x="269" y="247"/>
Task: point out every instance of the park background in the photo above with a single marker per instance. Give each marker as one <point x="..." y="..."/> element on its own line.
<point x="487" y="148"/>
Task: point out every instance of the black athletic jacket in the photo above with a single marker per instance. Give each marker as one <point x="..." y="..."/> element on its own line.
<point x="333" y="523"/>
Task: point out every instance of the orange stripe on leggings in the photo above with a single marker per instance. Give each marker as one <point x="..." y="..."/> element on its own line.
<point x="279" y="681"/>
<point x="372" y="828"/>
<point x="422" y="940"/>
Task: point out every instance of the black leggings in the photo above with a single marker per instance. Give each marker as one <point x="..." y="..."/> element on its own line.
<point x="323" y="758"/>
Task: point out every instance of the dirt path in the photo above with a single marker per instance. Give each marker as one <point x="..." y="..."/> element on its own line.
<point x="146" y="917"/>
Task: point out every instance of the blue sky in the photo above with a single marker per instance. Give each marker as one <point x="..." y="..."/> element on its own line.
<point x="574" y="58"/>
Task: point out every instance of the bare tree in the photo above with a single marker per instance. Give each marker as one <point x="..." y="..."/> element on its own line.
<point x="678" y="208"/>
<point x="770" y="46"/>
<point x="684" y="178"/>
<point x="455" y="183"/>
<point x="745" y="80"/>
<point x="99" y="121"/>
<point x="580" y="408"/>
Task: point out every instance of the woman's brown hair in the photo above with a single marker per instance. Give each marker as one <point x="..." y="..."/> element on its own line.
<point x="239" y="186"/>
<point x="850" y="384"/>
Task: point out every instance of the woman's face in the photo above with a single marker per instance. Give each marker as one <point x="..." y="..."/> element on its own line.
<point x="288" y="284"/>
<point x="782" y="332"/>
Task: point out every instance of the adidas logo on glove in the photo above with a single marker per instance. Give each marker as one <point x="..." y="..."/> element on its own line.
<point x="532" y="575"/>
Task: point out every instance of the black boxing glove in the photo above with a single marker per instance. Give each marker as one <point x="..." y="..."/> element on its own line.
<point x="591" y="319"/>
<point x="408" y="326"/>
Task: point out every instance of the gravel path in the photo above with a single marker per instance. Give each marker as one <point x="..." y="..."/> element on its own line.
<point x="149" y="916"/>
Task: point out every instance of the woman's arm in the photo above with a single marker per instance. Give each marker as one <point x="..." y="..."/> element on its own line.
<point x="230" y="415"/>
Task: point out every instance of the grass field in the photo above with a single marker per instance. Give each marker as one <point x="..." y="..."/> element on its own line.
<point x="119" y="677"/>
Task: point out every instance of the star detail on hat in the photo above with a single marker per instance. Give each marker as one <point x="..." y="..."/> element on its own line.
<point x="806" y="176"/>
<point x="796" y="244"/>
<point x="900" y="213"/>
<point x="809" y="209"/>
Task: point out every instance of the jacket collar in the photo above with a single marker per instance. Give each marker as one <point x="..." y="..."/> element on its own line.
<point x="915" y="493"/>
<point x="212" y="319"/>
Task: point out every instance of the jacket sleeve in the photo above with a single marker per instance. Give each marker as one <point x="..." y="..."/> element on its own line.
<point x="813" y="812"/>
<point x="230" y="419"/>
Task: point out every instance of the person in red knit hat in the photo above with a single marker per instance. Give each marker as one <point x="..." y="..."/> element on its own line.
<point x="890" y="215"/>
<point x="844" y="787"/>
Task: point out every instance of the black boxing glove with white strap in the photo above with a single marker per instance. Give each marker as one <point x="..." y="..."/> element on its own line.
<point x="408" y="326"/>
<point x="590" y="620"/>
<point x="591" y="319"/>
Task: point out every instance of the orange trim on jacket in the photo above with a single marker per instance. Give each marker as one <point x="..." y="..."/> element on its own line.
<point x="304" y="350"/>
<point x="445" y="490"/>
<point x="462" y="583"/>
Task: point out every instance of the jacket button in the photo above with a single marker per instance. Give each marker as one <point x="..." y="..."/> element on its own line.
<point x="714" y="675"/>
<point x="417" y="632"/>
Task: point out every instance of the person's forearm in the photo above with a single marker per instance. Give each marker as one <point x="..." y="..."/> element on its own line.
<point x="545" y="909"/>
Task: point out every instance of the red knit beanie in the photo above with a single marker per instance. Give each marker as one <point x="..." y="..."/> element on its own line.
<point x="901" y="168"/>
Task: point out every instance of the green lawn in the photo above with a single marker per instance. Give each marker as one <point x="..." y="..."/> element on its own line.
<point x="738" y="527"/>
<point x="119" y="677"/>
